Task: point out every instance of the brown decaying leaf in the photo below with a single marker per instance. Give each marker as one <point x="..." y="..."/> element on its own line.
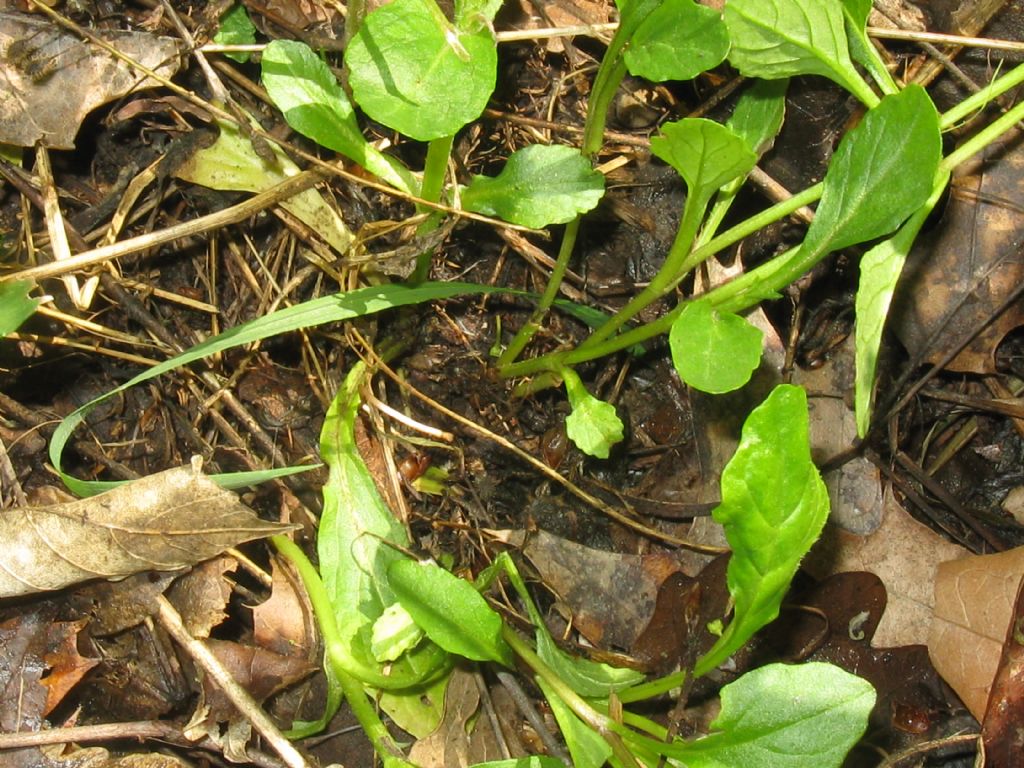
<point x="956" y="279"/>
<point x="50" y="79"/>
<point x="202" y="594"/>
<point x="974" y="604"/>
<point x="67" y="665"/>
<point x="162" y="522"/>
<point x="1001" y="731"/>
<point x="904" y="554"/>
<point x="114" y="606"/>
<point x="283" y="623"/>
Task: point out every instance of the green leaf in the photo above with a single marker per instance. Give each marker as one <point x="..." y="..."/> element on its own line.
<point x="358" y="533"/>
<point x="774" y="505"/>
<point x="15" y="305"/>
<point x="593" y="426"/>
<point x="471" y="15"/>
<point x="231" y="163"/>
<point x="394" y="633"/>
<point x="452" y="613"/>
<point x="880" y="269"/>
<point x="781" y="716"/>
<point x="586" y="747"/>
<point x="861" y="48"/>
<point x="714" y="351"/>
<point x="677" y="41"/>
<point x="785" y="38"/>
<point x="539" y="185"/>
<point x="413" y="72"/>
<point x="882" y="172"/>
<point x="759" y="112"/>
<point x="313" y="103"/>
<point x="236" y="28"/>
<point x="705" y="153"/>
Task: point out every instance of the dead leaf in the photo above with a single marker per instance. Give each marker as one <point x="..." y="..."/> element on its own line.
<point x="904" y="554"/>
<point x="51" y="79"/>
<point x="67" y="665"/>
<point x="283" y="623"/>
<point x="957" y="278"/>
<point x="114" y="606"/>
<point x="162" y="522"/>
<point x="974" y="603"/>
<point x="609" y="597"/>
<point x="202" y="594"/>
<point x="1001" y="731"/>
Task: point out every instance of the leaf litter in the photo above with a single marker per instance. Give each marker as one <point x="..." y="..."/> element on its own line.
<point x="493" y="493"/>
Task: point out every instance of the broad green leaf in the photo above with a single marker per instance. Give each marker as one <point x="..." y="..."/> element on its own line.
<point x="785" y="716"/>
<point x="417" y="74"/>
<point x="236" y="28"/>
<point x="327" y="309"/>
<point x="313" y="103"/>
<point x="593" y="426"/>
<point x="880" y="269"/>
<point x="231" y="163"/>
<point x="451" y="612"/>
<point x="712" y="350"/>
<point x="539" y="185"/>
<point x="705" y="153"/>
<point x="774" y="505"/>
<point x="394" y="633"/>
<point x="358" y="533"/>
<point x="883" y="171"/>
<point x="759" y="112"/>
<point x="679" y="40"/>
<point x="418" y="710"/>
<point x="15" y="305"/>
<point x="586" y="747"/>
<point x="785" y="38"/>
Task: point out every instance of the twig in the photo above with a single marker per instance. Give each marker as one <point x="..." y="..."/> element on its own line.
<point x="170" y="619"/>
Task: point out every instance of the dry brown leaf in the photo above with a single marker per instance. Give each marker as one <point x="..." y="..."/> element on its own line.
<point x="284" y="623"/>
<point x="67" y="665"/>
<point x="904" y="554"/>
<point x="161" y="522"/>
<point x="50" y="79"/>
<point x="202" y="594"/>
<point x="957" y="278"/>
<point x="974" y="600"/>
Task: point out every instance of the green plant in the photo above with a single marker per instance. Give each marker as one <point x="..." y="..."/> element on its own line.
<point x="374" y="605"/>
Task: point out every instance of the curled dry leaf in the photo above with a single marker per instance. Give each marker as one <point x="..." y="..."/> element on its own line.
<point x="974" y="602"/>
<point x="162" y="522"/>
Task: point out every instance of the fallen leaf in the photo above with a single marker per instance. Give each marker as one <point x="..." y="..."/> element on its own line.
<point x="162" y="522"/>
<point x="201" y="595"/>
<point x="1001" y="731"/>
<point x="67" y="665"/>
<point x="114" y="606"/>
<point x="283" y="622"/>
<point x="958" y="277"/>
<point x="974" y="604"/>
<point x="904" y="554"/>
<point x="51" y="79"/>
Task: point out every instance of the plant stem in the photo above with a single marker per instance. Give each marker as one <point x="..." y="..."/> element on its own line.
<point x="604" y="725"/>
<point x="979" y="100"/>
<point x="435" y="168"/>
<point x="990" y="133"/>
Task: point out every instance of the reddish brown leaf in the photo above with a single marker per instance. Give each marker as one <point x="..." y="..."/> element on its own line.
<point x="1001" y="731"/>
<point x="283" y="623"/>
<point x="67" y="665"/>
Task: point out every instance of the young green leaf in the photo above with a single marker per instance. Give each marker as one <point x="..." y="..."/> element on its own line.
<point x="714" y="351"/>
<point x="593" y="426"/>
<point x="534" y="761"/>
<point x="782" y="716"/>
<point x="471" y="15"/>
<point x="539" y="185"/>
<point x="705" y="153"/>
<point x="679" y="40"/>
<point x="883" y="171"/>
<point x="313" y="103"/>
<point x="774" y="505"/>
<point x="394" y="633"/>
<point x="880" y="269"/>
<point x="861" y="49"/>
<point x="785" y="38"/>
<point x="451" y="612"/>
<point x="417" y="74"/>
<point x="236" y="28"/>
<point x="231" y="163"/>
<point x="15" y="305"/>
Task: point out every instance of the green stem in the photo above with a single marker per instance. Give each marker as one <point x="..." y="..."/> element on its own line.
<point x="990" y="133"/>
<point x="436" y="168"/>
<point x="979" y="100"/>
<point x="604" y="725"/>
